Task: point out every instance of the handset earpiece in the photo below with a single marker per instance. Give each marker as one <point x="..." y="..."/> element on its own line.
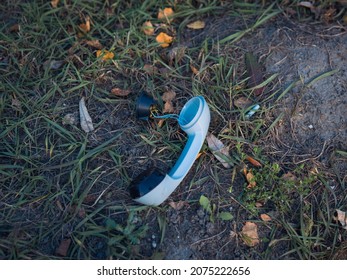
<point x="153" y="188"/>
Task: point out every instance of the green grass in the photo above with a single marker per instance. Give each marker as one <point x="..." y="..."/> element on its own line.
<point x="57" y="182"/>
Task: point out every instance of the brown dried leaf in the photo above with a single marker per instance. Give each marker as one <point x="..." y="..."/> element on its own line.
<point x="249" y="234"/>
<point x="253" y="161"/>
<point x="218" y="149"/>
<point x="341" y="218"/>
<point x="150" y="69"/>
<point x="85" y="119"/>
<point x="147" y="28"/>
<point x="168" y="96"/>
<point x="243" y="102"/>
<point x="95" y="44"/>
<point x="199" y="24"/>
<point x="54" y="3"/>
<point x="120" y="92"/>
<point x="289" y="177"/>
<point x="265" y="217"/>
<point x="15" y="28"/>
<point x="63" y="247"/>
<point x="178" y="205"/>
<point x="250" y="178"/>
<point x="168" y="107"/>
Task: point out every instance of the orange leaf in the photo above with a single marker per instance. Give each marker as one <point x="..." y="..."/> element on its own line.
<point x="54" y="3"/>
<point x="250" y="178"/>
<point x="120" y="92"/>
<point x="194" y="70"/>
<point x="164" y="40"/>
<point x="265" y="217"/>
<point x="105" y="55"/>
<point x="249" y="234"/>
<point x="166" y="14"/>
<point x="253" y="161"/>
<point x="85" y="27"/>
<point x="147" y="28"/>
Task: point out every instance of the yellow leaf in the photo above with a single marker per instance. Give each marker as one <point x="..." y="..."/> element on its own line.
<point x="54" y="3"/>
<point x="164" y="40"/>
<point x="104" y="54"/>
<point x="85" y="27"/>
<point x="249" y="234"/>
<point x="199" y="24"/>
<point x="147" y="28"/>
<point x="265" y="217"/>
<point x="166" y="14"/>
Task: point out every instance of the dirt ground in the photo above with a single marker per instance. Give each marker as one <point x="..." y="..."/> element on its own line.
<point x="309" y="58"/>
<point x="314" y="124"/>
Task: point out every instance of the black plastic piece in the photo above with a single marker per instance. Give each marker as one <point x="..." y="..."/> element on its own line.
<point x="145" y="182"/>
<point x="144" y="105"/>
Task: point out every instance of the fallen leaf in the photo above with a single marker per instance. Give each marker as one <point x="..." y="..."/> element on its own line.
<point x="178" y="205"/>
<point x="289" y="177"/>
<point x="265" y="217"/>
<point x="225" y="216"/>
<point x="177" y="54"/>
<point x="250" y="178"/>
<point x="15" y="28"/>
<point x="232" y="234"/>
<point x="164" y="40"/>
<point x="54" y="3"/>
<point x="69" y="119"/>
<point x="253" y="161"/>
<point x="341" y="218"/>
<point x="243" y="102"/>
<point x="147" y="28"/>
<point x="53" y="64"/>
<point x="306" y="4"/>
<point x="194" y="70"/>
<point x="16" y="104"/>
<point x="94" y="43"/>
<point x="63" y="247"/>
<point x="150" y="69"/>
<point x="85" y="27"/>
<point x="249" y="234"/>
<point x="218" y="149"/>
<point x="168" y="107"/>
<point x="199" y="24"/>
<point x="259" y="204"/>
<point x="169" y="96"/>
<point x="166" y="14"/>
<point x="105" y="55"/>
<point x="254" y="73"/>
<point x="120" y="92"/>
<point x="85" y="119"/>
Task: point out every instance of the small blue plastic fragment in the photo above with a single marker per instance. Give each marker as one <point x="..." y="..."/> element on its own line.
<point x="252" y="111"/>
